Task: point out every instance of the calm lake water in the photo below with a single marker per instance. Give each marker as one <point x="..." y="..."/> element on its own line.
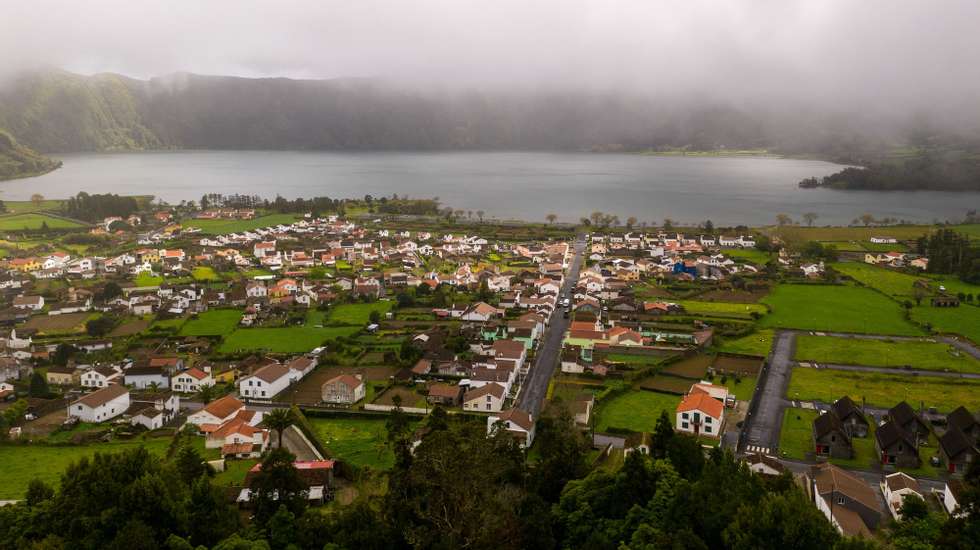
<point x="506" y="185"/>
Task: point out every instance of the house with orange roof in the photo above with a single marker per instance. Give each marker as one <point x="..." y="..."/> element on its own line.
<point x="239" y="437"/>
<point x="217" y="412"/>
<point x="699" y="413"/>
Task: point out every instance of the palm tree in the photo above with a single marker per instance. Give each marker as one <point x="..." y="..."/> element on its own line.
<point x="278" y="420"/>
<point x="551" y="218"/>
<point x="206" y="394"/>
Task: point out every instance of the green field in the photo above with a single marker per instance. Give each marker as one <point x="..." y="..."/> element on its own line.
<point x="883" y="390"/>
<point x="748" y="254"/>
<point x="728" y="308"/>
<point x="22" y="463"/>
<point x="145" y="279"/>
<point x="15" y="222"/>
<point x="357" y="314"/>
<point x="636" y="410"/>
<point x="218" y="227"/>
<point x="756" y="343"/>
<point x="18" y="207"/>
<point x="204" y="273"/>
<point x="859" y="234"/>
<point x="298" y="339"/>
<point x="882" y="353"/>
<point x="893" y="283"/>
<point x="742" y="390"/>
<point x="796" y="435"/>
<point x="358" y="441"/>
<point x="214" y="322"/>
<point x="963" y="320"/>
<point x="835" y="308"/>
<point x="973" y="230"/>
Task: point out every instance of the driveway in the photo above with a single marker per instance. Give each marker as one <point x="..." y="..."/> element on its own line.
<point x="535" y="387"/>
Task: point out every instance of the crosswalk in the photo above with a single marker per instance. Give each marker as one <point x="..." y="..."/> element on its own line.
<point x="757" y="449"/>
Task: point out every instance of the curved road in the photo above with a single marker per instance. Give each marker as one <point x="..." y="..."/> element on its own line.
<point x="535" y="387"/>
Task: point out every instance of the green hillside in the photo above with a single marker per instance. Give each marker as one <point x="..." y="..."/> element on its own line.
<point x="17" y="161"/>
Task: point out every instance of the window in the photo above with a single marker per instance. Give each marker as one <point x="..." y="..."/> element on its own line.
<point x="684" y="416"/>
<point x="263" y="393"/>
<point x="707" y="420"/>
<point x="840" y="500"/>
<point x="685" y="425"/>
<point x="707" y="429"/>
<point x="488" y="406"/>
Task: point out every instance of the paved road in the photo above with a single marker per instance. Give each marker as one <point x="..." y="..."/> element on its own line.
<point x="765" y="417"/>
<point x="961" y="345"/>
<point x="535" y="387"/>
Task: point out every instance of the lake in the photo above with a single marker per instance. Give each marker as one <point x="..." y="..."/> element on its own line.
<point x="505" y="185"/>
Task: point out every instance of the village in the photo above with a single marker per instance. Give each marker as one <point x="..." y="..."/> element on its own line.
<point x="775" y="344"/>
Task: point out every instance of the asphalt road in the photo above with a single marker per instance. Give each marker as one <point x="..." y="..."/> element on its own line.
<point x="766" y="413"/>
<point x="535" y="387"/>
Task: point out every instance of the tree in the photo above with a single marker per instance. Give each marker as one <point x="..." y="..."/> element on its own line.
<point x="111" y="290"/>
<point x="562" y="449"/>
<point x="279" y="420"/>
<point x="810" y="217"/>
<point x="783" y="219"/>
<point x="38" y="492"/>
<point x="37" y="199"/>
<point x="708" y="226"/>
<point x="867" y="219"/>
<point x="596" y="217"/>
<point x="630" y="222"/>
<point x="190" y="464"/>
<point x="551" y="218"/>
<point x="100" y="326"/>
<point x="668" y="224"/>
<point x="39" y="385"/>
<point x="278" y="483"/>
<point x="662" y="434"/>
<point x="780" y="521"/>
<point x="479" y="214"/>
<point x="207" y="393"/>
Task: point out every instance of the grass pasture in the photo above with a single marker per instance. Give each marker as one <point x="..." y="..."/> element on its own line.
<point x="357" y="314"/>
<point x="22" y="463"/>
<point x="636" y="410"/>
<point x="358" y="441"/>
<point x="796" y="434"/>
<point x="883" y="390"/>
<point x="219" y="227"/>
<point x="693" y="368"/>
<point x="740" y="310"/>
<point x="756" y="343"/>
<point x="963" y="320"/>
<point x="32" y="221"/>
<point x="204" y="273"/>
<point x="835" y="308"/>
<point x="214" y="322"/>
<point x="298" y="339"/>
<point x="893" y="283"/>
<point x="883" y="353"/>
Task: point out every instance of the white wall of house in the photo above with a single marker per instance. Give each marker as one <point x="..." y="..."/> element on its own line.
<point x="102" y="413"/>
<point x="710" y="425"/>
<point x="256" y="388"/>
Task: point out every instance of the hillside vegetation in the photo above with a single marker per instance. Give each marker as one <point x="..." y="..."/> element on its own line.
<point x="17" y="161"/>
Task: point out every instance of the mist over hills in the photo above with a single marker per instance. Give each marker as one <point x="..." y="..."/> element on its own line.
<point x="54" y="111"/>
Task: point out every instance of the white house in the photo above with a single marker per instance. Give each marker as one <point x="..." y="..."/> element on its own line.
<point x="191" y="380"/>
<point x="895" y="487"/>
<point x="951" y="497"/>
<point x="515" y="422"/>
<point x="486" y="398"/>
<point x="217" y="412"/>
<point x="481" y="312"/>
<point x="700" y="413"/>
<point x="101" y="405"/>
<point x="142" y="378"/>
<point x="33" y="303"/>
<point x="265" y="382"/>
<point x="884" y="240"/>
<point x="100" y="377"/>
<point x="300" y="367"/>
<point x="149" y="417"/>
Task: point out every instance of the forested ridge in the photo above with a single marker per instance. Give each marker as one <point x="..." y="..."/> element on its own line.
<point x="461" y="489"/>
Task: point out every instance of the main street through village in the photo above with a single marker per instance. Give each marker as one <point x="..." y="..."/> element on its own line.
<point x="535" y="387"/>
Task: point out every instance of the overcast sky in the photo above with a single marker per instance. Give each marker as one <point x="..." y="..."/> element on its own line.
<point x="833" y="50"/>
